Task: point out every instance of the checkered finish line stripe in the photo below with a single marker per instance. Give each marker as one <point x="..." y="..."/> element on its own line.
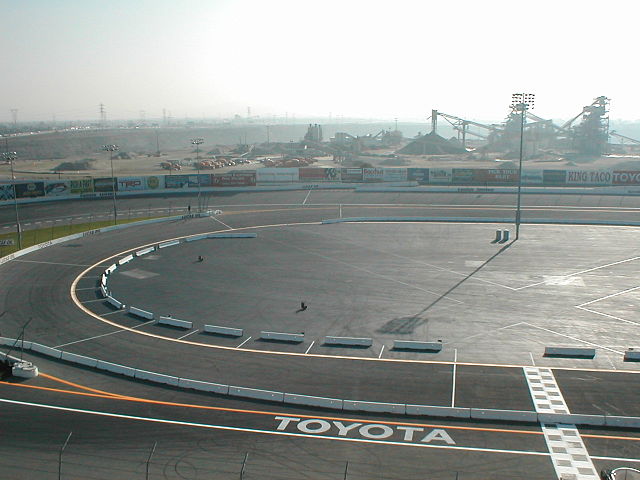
<point x="569" y="456"/>
<point x="545" y="392"/>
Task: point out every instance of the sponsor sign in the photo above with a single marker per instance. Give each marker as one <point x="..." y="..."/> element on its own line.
<point x="153" y="182"/>
<point x="131" y="183"/>
<point x="420" y="175"/>
<point x="187" y="181"/>
<point x="440" y="175"/>
<point x="105" y="184"/>
<point x="394" y="175"/>
<point x="589" y="177"/>
<point x="30" y="190"/>
<point x="6" y="192"/>
<point x="349" y="175"/>
<point x="371" y="175"/>
<point x="234" y="180"/>
<point x="626" y="177"/>
<point x="463" y="175"/>
<point x="281" y="175"/>
<point x="54" y="189"/>
<point x="81" y="186"/>
<point x="497" y="176"/>
<point x="532" y="177"/>
<point x="364" y="430"/>
<point x="7" y="242"/>
<point x="554" y="177"/>
<point x="318" y="174"/>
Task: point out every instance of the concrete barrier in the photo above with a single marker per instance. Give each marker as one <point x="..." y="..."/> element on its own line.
<point x="377" y="407"/>
<point x="103" y="291"/>
<point x="283" y="337"/>
<point x="196" y="238"/>
<point x="257" y="394"/>
<point x="623" y="422"/>
<point x="169" y="244"/>
<point x="103" y="280"/>
<point x="144" y="251"/>
<point x="111" y="269"/>
<point x="415" y="345"/>
<point x="507" y="415"/>
<point x="126" y="259"/>
<point x="138" y="312"/>
<point x="333" y="403"/>
<point x="349" y="341"/>
<point x="79" y="359"/>
<point x="115" y="368"/>
<point x="632" y="355"/>
<point x="115" y="302"/>
<point x="571" y="419"/>
<point x="174" y="322"/>
<point x="435" y="411"/>
<point x="203" y="386"/>
<point x="231" y="332"/>
<point x="580" y="352"/>
<point x="48" y="351"/>
<point x="156" y="377"/>
<point x="232" y="235"/>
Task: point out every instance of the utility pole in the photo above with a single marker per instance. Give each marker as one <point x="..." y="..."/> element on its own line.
<point x="521" y="102"/>
<point x="11" y="157"/>
<point x="111" y="149"/>
<point x="197" y="142"/>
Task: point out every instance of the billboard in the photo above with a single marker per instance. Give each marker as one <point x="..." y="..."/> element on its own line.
<point x="81" y="186"/>
<point x="57" y="188"/>
<point x="626" y="177"/>
<point x="493" y="176"/>
<point x="463" y="176"/>
<point x="273" y="175"/>
<point x="349" y="175"/>
<point x="187" y="181"/>
<point x="29" y="190"/>
<point x="372" y="175"/>
<point x="6" y="192"/>
<point x="554" y="177"/>
<point x="318" y="174"/>
<point x="420" y="175"/>
<point x="237" y="179"/>
<point x="131" y="183"/>
<point x="440" y="175"/>
<point x="589" y="177"/>
<point x="532" y="177"/>
<point x="105" y="184"/>
<point x="394" y="175"/>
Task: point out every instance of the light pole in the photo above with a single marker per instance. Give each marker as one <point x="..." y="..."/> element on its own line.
<point x="111" y="149"/>
<point x="521" y="102"/>
<point x="10" y="157"/>
<point x="197" y="142"/>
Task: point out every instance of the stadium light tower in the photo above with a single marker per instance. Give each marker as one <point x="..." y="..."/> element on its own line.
<point x="521" y="102"/>
<point x="10" y="157"/>
<point x="111" y="149"/>
<point x="197" y="142"/>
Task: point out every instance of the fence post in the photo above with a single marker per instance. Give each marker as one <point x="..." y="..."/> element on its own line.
<point x="60" y="456"/>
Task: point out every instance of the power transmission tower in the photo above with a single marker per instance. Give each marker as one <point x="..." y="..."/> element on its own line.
<point x="103" y="116"/>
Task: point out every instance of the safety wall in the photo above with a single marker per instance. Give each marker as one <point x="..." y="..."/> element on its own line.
<point x="100" y="187"/>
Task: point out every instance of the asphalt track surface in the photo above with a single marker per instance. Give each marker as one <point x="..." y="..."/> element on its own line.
<point x="378" y="280"/>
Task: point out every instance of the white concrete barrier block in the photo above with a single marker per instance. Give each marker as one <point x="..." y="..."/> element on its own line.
<point x="195" y="238"/>
<point x="103" y="291"/>
<point x="283" y="337"/>
<point x="583" y="352"/>
<point x="571" y="419"/>
<point x="138" y="312"/>
<point x="231" y="332"/>
<point x="232" y="235"/>
<point x="44" y="350"/>
<point x="144" y="251"/>
<point x="24" y="370"/>
<point x="435" y="411"/>
<point x="257" y="394"/>
<point x="632" y="355"/>
<point x="203" y="386"/>
<point x="111" y="269"/>
<point x="622" y="422"/>
<point x="174" y="322"/>
<point x="508" y="415"/>
<point x="399" y="408"/>
<point x="156" y="377"/>
<point x="594" y="420"/>
<point x="115" y="368"/>
<point x="419" y="346"/>
<point x="126" y="259"/>
<point x="115" y="302"/>
<point x="333" y="403"/>
<point x="169" y="244"/>
<point x="362" y="342"/>
<point x="79" y="359"/>
<point x="103" y="280"/>
<point x="7" y="341"/>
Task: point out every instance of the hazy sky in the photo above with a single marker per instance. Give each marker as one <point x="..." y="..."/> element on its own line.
<point x="349" y="58"/>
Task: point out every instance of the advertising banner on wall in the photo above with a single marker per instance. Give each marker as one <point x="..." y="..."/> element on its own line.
<point x="462" y="176"/>
<point x="187" y="181"/>
<point x="57" y="188"/>
<point x="349" y="175"/>
<point x="307" y="174"/>
<point x="371" y="175"/>
<point x="532" y="177"/>
<point x="237" y="179"/>
<point x="394" y="175"/>
<point x="84" y="185"/>
<point x="104" y="184"/>
<point x="440" y="175"/>
<point x="554" y="177"/>
<point x="277" y="175"/>
<point x="29" y="190"/>
<point x="131" y="183"/>
<point x="589" y="177"/>
<point x="6" y="192"/>
<point x="626" y="177"/>
<point x="155" y="182"/>
<point x="420" y="175"/>
<point x="493" y="176"/>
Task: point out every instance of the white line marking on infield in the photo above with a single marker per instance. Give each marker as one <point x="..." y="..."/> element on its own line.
<point x="221" y="222"/>
<point x="244" y="342"/>
<point x="103" y="335"/>
<point x="608" y="316"/>
<point x="307" y="197"/>
<point x="608" y="296"/>
<point x="533" y="362"/>
<point x="53" y="263"/>
<point x="309" y="347"/>
<point x="381" y="350"/>
<point x="575" y="338"/>
<point x="190" y="333"/>
<point x="453" y="385"/>
<point x="93" y="301"/>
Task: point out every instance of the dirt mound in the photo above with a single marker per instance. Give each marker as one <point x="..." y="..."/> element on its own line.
<point x="431" y="144"/>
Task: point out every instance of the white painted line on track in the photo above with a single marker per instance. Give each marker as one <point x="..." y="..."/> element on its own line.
<point x="617" y="459"/>
<point x="53" y="263"/>
<point x="381" y="350"/>
<point x="453" y="385"/>
<point x="270" y="432"/>
<point x="104" y="334"/>
<point x="116" y="311"/>
<point x="307" y="197"/>
<point x="533" y="362"/>
<point x="608" y="296"/>
<point x="93" y="301"/>
<point x="613" y="317"/>
<point x="309" y="347"/>
<point x="488" y="332"/>
<point x="86" y="288"/>
<point x="221" y="222"/>
<point x="190" y="333"/>
<point x="244" y="342"/>
<point x="575" y="338"/>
